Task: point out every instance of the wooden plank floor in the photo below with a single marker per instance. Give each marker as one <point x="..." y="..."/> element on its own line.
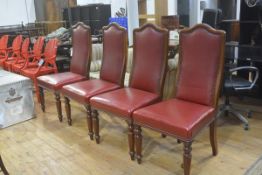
<point x="45" y="146"/>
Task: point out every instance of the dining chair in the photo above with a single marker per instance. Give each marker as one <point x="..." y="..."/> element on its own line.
<point x="198" y="84"/>
<point x="79" y="67"/>
<point x="30" y="57"/>
<point x="146" y="80"/>
<point x="111" y="74"/>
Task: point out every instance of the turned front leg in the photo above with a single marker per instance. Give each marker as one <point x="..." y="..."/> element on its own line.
<point x="131" y="140"/>
<point x="138" y="142"/>
<point x="58" y="106"/>
<point x="187" y="157"/>
<point x="68" y="111"/>
<point x="89" y="122"/>
<point x="42" y="98"/>
<point x="95" y="121"/>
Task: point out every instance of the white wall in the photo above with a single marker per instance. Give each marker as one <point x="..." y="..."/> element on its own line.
<point x="172" y="7"/>
<point x="14" y="12"/>
<point x="133" y="21"/>
<point x="115" y="4"/>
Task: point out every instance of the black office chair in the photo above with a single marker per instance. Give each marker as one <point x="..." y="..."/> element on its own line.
<point x="236" y="84"/>
<point x="212" y="17"/>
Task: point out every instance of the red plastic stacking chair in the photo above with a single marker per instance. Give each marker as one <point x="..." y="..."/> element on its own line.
<point x="111" y="75"/>
<point x="79" y="66"/>
<point x="31" y="57"/>
<point x="3" y="49"/>
<point x="20" y="61"/>
<point x="46" y="65"/>
<point x="197" y="92"/>
<point x="16" y="53"/>
<point x="146" y="80"/>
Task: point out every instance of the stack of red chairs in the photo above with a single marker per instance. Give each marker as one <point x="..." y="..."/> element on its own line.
<point x="16" y="53"/>
<point x="43" y="65"/>
<point x="34" y="56"/>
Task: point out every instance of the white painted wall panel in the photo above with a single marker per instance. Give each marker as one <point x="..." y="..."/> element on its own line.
<point x="14" y="12"/>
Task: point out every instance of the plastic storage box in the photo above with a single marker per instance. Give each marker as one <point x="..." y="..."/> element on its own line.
<point x="16" y="99"/>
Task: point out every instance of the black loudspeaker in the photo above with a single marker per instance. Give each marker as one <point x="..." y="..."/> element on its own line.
<point x="75" y="14"/>
<point x="212" y="17"/>
<point x="84" y="13"/>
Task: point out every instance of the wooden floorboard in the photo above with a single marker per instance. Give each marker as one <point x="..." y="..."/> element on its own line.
<point x="45" y="146"/>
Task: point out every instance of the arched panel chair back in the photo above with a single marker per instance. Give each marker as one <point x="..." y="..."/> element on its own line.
<point x="114" y="54"/>
<point x="38" y="47"/>
<point x="25" y="48"/>
<point x="200" y="66"/>
<point x="149" y="60"/>
<point x="16" y="45"/>
<point x="50" y="53"/>
<point x="82" y="45"/>
<point x="3" y="42"/>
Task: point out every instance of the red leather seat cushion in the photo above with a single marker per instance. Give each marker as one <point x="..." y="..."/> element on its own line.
<point x="123" y="102"/>
<point x="56" y="81"/>
<point x="180" y="118"/>
<point x="83" y="91"/>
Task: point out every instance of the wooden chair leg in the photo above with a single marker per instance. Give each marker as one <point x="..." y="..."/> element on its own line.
<point x="2" y="167"/>
<point x="37" y="90"/>
<point x="131" y="140"/>
<point x="187" y="157"/>
<point x="68" y="111"/>
<point x="42" y="98"/>
<point x="95" y="121"/>
<point x="138" y="142"/>
<point x="58" y="106"/>
<point x="213" y="137"/>
<point x="89" y="122"/>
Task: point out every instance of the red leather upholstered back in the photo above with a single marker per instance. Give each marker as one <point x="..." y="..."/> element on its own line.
<point x="201" y="64"/>
<point x="114" y="54"/>
<point x="81" y="40"/>
<point x="150" y="58"/>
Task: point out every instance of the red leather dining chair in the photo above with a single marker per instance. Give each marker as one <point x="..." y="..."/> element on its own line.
<point x="197" y="90"/>
<point x="79" y="67"/>
<point x="31" y="57"/>
<point x="46" y="65"/>
<point x="111" y="74"/>
<point x="16" y="53"/>
<point x="146" y="80"/>
<point x="3" y="48"/>
<point x="20" y="61"/>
